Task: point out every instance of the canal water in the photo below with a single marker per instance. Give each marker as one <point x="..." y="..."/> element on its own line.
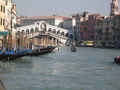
<point x="86" y="69"/>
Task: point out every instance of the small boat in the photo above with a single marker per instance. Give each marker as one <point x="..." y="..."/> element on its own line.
<point x="117" y="59"/>
<point x="2" y="55"/>
<point x="73" y="47"/>
<point x="41" y="50"/>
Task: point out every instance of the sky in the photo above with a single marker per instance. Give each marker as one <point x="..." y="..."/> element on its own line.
<point x="61" y="7"/>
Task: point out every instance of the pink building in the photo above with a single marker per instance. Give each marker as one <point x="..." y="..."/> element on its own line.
<point x="87" y="29"/>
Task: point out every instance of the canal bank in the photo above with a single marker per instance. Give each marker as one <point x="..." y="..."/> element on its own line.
<point x="86" y="69"/>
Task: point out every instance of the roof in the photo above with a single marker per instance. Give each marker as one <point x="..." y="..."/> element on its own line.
<point x="44" y="17"/>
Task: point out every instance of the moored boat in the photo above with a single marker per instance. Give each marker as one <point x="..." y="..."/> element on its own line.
<point x="41" y="50"/>
<point x="12" y="55"/>
<point x="73" y="47"/>
<point x="117" y="59"/>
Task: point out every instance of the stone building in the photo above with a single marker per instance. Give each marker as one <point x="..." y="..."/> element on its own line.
<point x="107" y="28"/>
<point x="107" y="33"/>
<point x="2" y="15"/>
<point x="87" y="30"/>
<point x="76" y="22"/>
<point x="7" y="17"/>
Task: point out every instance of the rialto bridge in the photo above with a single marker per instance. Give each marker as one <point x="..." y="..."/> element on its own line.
<point x="42" y="29"/>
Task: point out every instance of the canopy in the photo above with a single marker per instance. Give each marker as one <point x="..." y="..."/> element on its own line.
<point x="4" y="33"/>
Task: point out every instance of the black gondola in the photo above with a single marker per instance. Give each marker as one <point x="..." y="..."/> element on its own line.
<point x="2" y="55"/>
<point x="41" y="50"/>
<point x="12" y="55"/>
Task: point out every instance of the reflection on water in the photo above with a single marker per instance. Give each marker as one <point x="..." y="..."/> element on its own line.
<point x="51" y="68"/>
<point x="87" y="69"/>
<point x="5" y="68"/>
<point x="42" y="67"/>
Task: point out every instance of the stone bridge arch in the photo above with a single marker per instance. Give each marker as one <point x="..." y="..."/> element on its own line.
<point x="67" y="35"/>
<point x="44" y="28"/>
<point x="54" y="31"/>
<point x="23" y="32"/>
<point x="32" y="30"/>
<point x="36" y="29"/>
<point x="27" y="31"/>
<point x="62" y="34"/>
<point x="58" y="32"/>
<point x="18" y="33"/>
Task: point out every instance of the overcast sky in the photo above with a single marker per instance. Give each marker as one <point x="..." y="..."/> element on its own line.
<point x="61" y="7"/>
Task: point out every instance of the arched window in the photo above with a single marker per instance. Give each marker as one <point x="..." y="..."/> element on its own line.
<point x="49" y="30"/>
<point x="67" y="35"/>
<point x="23" y="32"/>
<point x="58" y="32"/>
<point x="18" y="33"/>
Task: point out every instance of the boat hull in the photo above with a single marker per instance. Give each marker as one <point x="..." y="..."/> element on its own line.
<point x="41" y="51"/>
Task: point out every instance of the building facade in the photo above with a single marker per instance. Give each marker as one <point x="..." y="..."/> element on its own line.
<point x="7" y="19"/>
<point x="87" y="29"/>
<point x="107" y="28"/>
<point x="107" y="33"/>
<point x="7" y="15"/>
<point x="76" y="22"/>
<point x="2" y="14"/>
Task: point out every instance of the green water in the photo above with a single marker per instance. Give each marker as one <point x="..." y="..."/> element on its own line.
<point x="86" y="69"/>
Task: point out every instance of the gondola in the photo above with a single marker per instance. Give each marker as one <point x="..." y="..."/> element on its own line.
<point x="41" y="51"/>
<point x="13" y="55"/>
<point x="2" y="55"/>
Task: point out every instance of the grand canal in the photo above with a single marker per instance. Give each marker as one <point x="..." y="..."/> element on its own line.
<point x="86" y="69"/>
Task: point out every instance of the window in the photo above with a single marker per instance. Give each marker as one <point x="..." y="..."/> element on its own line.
<point x="4" y="9"/>
<point x="1" y="8"/>
<point x="1" y="22"/>
<point x="6" y="2"/>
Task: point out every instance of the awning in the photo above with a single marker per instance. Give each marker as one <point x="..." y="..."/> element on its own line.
<point x="4" y="33"/>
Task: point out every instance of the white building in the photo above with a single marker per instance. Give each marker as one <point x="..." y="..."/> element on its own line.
<point x="76" y="23"/>
<point x="8" y="14"/>
<point x="52" y="20"/>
